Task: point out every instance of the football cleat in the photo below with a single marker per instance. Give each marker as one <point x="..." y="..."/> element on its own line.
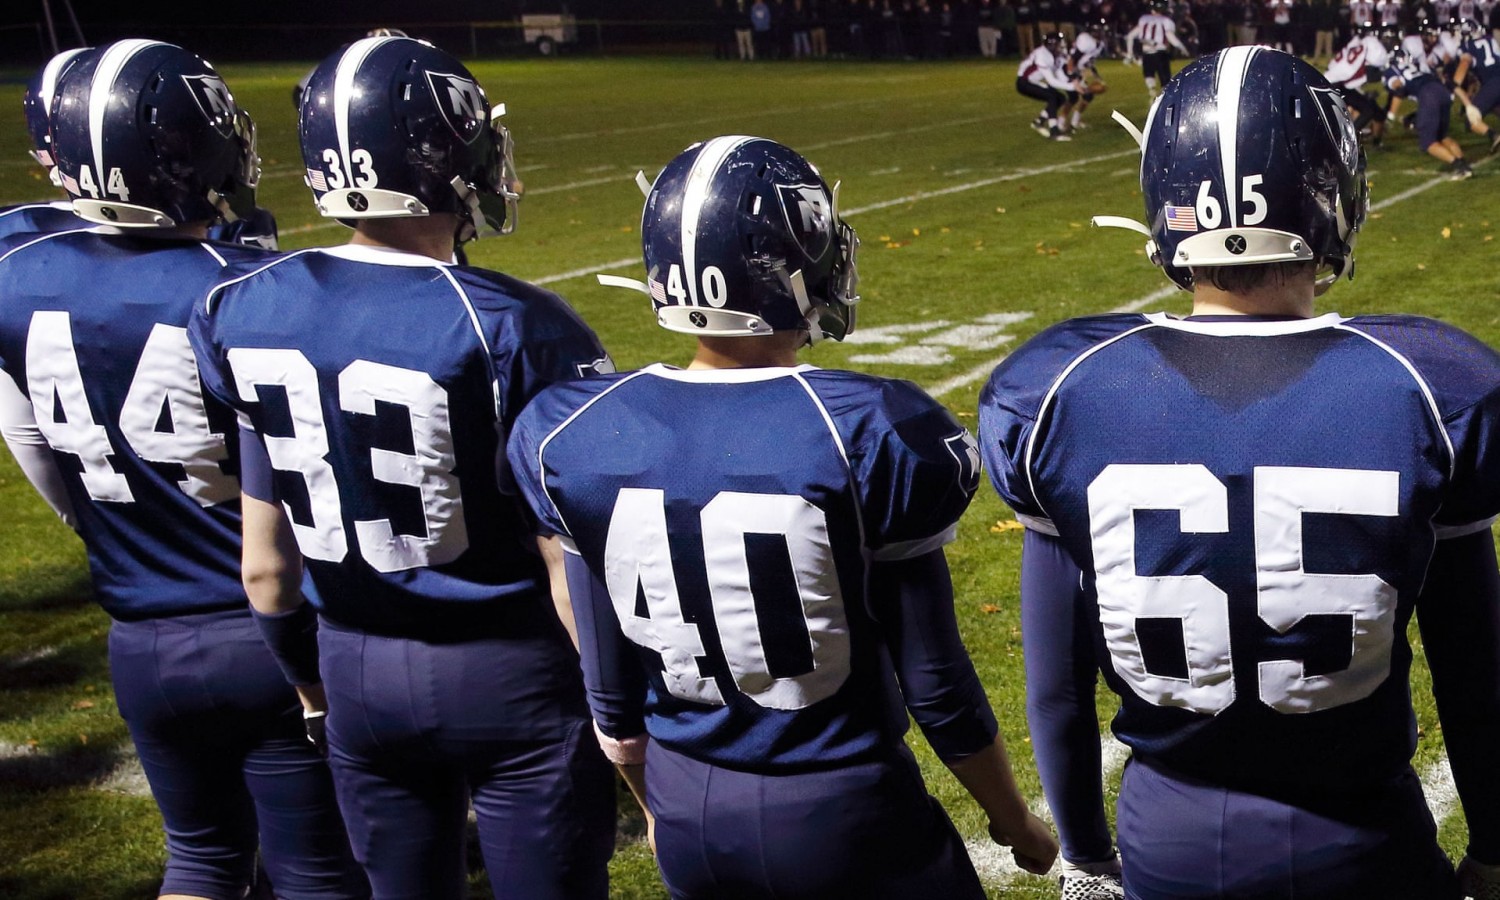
<point x="1460" y="170"/>
<point x="1479" y="881"/>
<point x="1058" y="135"/>
<point x="1039" y="125"/>
<point x="1091" y="881"/>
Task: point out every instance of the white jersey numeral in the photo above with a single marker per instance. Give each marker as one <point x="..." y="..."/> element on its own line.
<point x="1285" y="592"/>
<point x="166" y="379"/>
<point x="55" y="383"/>
<point x="428" y="468"/>
<point x="638" y="558"/>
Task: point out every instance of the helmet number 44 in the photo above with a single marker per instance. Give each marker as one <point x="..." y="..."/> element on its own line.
<point x="116" y="184"/>
<point x="1210" y="214"/>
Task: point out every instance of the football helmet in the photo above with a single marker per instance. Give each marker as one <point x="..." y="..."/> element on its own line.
<point x="147" y="135"/>
<point x="1250" y="157"/>
<point x="741" y="236"/>
<point x="394" y="127"/>
<point x="1055" y="41"/>
<point x="1470" y="29"/>
<point x="1390" y="37"/>
<point x="37" y="103"/>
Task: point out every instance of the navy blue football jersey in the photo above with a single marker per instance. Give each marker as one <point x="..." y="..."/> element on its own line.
<point x="1254" y="504"/>
<point x="383" y="385"/>
<point x="734" y="516"/>
<point x="39" y="217"/>
<point x="94" y="328"/>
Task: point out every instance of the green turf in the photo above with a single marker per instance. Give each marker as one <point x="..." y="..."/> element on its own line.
<point x="963" y="211"/>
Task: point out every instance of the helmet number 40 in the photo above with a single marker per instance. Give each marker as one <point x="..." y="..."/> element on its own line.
<point x="1210" y="214"/>
<point x="715" y="289"/>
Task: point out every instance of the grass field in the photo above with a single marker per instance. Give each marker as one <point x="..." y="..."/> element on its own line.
<point x="975" y="236"/>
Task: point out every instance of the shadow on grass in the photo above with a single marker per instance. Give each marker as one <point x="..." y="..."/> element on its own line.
<point x="37" y="771"/>
<point x="50" y="592"/>
<point x="49" y="667"/>
<point x="62" y="887"/>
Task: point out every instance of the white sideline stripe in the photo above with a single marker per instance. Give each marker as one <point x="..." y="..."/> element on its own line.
<point x="590" y="270"/>
<point x="1442" y="793"/>
<point x="986" y="182"/>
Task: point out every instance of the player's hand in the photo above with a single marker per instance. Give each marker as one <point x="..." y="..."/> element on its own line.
<point x="1479" y="880"/>
<point x="1032" y="844"/>
<point x="316" y="727"/>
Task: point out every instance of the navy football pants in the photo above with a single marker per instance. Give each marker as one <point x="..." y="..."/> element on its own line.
<point x="1181" y="838"/>
<point x="219" y="733"/>
<point x="416" y="731"/>
<point x="862" y="832"/>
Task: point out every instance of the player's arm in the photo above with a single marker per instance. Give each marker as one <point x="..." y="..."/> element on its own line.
<point x="1172" y="39"/>
<point x="1461" y="74"/>
<point x="550" y="547"/>
<point x="1061" y="677"/>
<point x="612" y="677"/>
<point x="271" y="571"/>
<point x="30" y="448"/>
<point x="913" y="598"/>
<point x="1459" y="615"/>
<point x="1130" y="38"/>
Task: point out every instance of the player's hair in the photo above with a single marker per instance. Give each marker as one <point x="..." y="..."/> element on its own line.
<point x="1240" y="279"/>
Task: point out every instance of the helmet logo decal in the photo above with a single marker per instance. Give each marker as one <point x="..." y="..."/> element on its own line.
<point x="698" y="319"/>
<point x="461" y="102"/>
<point x="357" y="201"/>
<point x="808" y="217"/>
<point x="1235" y="244"/>
<point x="214" y="101"/>
<point x="1335" y="118"/>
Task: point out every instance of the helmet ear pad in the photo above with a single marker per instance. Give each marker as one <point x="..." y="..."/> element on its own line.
<point x="741" y="237"/>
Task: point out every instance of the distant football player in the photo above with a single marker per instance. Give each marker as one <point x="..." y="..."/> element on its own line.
<point x="56" y="215"/>
<point x="1083" y="66"/>
<point x="1479" y="57"/>
<point x="1156" y="34"/>
<point x="98" y="375"/>
<point x="1247" y="579"/>
<point x="1349" y="71"/>
<point x="1409" y="75"/>
<point x="754" y="556"/>
<point x="1043" y="75"/>
<point x="380" y="380"/>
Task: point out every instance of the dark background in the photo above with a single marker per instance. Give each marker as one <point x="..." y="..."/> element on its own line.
<point x="305" y="29"/>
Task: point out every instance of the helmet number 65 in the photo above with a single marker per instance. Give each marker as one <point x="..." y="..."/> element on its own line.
<point x="1210" y="214"/>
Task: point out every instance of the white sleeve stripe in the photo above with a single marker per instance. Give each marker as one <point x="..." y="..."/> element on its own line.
<point x="208" y="303"/>
<point x="541" y="449"/>
<point x="913" y="549"/>
<point x="1437" y="414"/>
<point x="1038" y="524"/>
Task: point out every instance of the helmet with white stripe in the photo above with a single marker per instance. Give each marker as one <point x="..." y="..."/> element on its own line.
<point x="147" y="135"/>
<point x="394" y="127"/>
<point x="1249" y="157"/>
<point x="37" y="103"/>
<point x="741" y="236"/>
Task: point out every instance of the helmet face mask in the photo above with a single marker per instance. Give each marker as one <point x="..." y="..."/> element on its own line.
<point x="741" y="236"/>
<point x="169" y="147"/>
<point x="394" y="127"/>
<point x="1249" y="157"/>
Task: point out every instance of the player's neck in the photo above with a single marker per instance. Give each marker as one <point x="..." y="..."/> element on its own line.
<point x="1282" y="299"/>
<point x="430" y="236"/>
<point x="760" y="351"/>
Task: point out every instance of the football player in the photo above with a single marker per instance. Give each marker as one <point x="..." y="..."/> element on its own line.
<point x="1157" y="34"/>
<point x="1248" y="581"/>
<point x="153" y="149"/>
<point x="1043" y="76"/>
<point x="754" y="554"/>
<point x="1349" y="71"/>
<point x="1408" y="74"/>
<point x="1480" y="57"/>
<point x="1083" y="66"/>
<point x="379" y="380"/>
<point x="37" y="102"/>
